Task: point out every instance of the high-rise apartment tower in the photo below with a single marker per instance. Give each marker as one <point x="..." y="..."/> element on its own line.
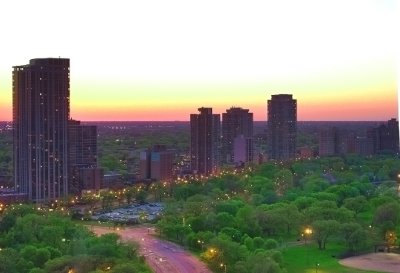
<point x="235" y="122"/>
<point x="41" y="95"/>
<point x="204" y="141"/>
<point x="282" y="127"/>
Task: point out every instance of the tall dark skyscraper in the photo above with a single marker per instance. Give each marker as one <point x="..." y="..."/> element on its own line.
<point x="204" y="141"/>
<point x="282" y="127"/>
<point x="41" y="91"/>
<point x="235" y="122"/>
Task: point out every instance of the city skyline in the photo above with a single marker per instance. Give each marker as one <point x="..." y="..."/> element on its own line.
<point x="160" y="61"/>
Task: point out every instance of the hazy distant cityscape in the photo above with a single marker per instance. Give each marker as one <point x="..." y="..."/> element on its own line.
<point x="55" y="156"/>
<point x="221" y="185"/>
<point x="199" y="137"/>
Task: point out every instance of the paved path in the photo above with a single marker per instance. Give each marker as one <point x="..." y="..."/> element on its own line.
<point x="162" y="256"/>
<point x="383" y="262"/>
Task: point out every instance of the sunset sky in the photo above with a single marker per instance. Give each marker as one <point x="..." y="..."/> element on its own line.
<point x="162" y="59"/>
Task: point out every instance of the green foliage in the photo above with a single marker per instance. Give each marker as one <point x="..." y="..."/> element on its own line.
<point x="354" y="236"/>
<point x="341" y="199"/>
<point x="263" y="262"/>
<point x="387" y="217"/>
<point x="357" y="204"/>
<point x="322" y="230"/>
<point x="54" y="244"/>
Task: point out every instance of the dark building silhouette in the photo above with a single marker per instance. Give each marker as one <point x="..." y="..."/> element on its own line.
<point x="157" y="163"/>
<point x="82" y="154"/>
<point x="243" y="150"/>
<point x="335" y="141"/>
<point x="235" y="122"/>
<point x="386" y="137"/>
<point x="282" y="127"/>
<point x="364" y="146"/>
<point x="41" y="97"/>
<point x="204" y="141"/>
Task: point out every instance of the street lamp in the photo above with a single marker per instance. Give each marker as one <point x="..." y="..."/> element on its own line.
<point x="201" y="243"/>
<point x="398" y="187"/>
<point x="307" y="232"/>
<point x="224" y="266"/>
<point x="316" y="267"/>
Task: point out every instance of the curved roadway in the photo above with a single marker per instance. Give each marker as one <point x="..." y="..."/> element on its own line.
<point x="161" y="256"/>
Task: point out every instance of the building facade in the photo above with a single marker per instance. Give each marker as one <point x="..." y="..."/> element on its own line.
<point x="157" y="164"/>
<point x="282" y="127"/>
<point x="235" y="122"/>
<point x="335" y="141"/>
<point x="41" y="109"/>
<point x="243" y="150"/>
<point x="386" y="137"/>
<point x="82" y="158"/>
<point x="205" y="141"/>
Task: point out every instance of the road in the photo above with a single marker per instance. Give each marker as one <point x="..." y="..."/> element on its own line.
<point x="161" y="256"/>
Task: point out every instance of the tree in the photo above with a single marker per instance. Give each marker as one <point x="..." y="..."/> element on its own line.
<point x="125" y="268"/>
<point x="270" y="244"/>
<point x="354" y="236"/>
<point x="225" y="219"/>
<point x="247" y="221"/>
<point x="283" y="181"/>
<point x="41" y="256"/>
<point x="129" y="193"/>
<point x="233" y="233"/>
<point x="230" y="206"/>
<point x="322" y="230"/>
<point x="8" y="260"/>
<point x="291" y="216"/>
<point x="263" y="262"/>
<point x="356" y="204"/>
<point x="387" y="216"/>
<point x="140" y="196"/>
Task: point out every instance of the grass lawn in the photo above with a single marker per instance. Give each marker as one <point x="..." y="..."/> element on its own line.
<point x="308" y="259"/>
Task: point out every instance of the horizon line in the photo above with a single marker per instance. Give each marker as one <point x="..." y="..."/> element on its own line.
<point x="189" y="120"/>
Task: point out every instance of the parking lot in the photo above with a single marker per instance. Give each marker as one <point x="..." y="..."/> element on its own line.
<point x="131" y="214"/>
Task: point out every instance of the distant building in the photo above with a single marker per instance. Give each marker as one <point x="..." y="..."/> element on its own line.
<point x="204" y="141"/>
<point x="381" y="139"/>
<point x="243" y="150"/>
<point x="364" y="146"/>
<point x="156" y="164"/>
<point x="82" y="155"/>
<point x="327" y="142"/>
<point x="8" y="196"/>
<point x="334" y="141"/>
<point x="282" y="127"/>
<point x="386" y="137"/>
<point x="235" y="122"/>
<point x="112" y="180"/>
<point x="305" y="152"/>
<point x="90" y="178"/>
<point x="41" y="97"/>
<point x="145" y="165"/>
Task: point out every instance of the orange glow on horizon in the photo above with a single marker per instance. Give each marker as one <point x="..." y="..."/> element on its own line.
<point x="308" y="110"/>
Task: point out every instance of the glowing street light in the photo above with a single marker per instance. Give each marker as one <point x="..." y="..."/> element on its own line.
<point x="224" y="266"/>
<point x="307" y="232"/>
<point x="201" y="243"/>
<point x="398" y="187"/>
